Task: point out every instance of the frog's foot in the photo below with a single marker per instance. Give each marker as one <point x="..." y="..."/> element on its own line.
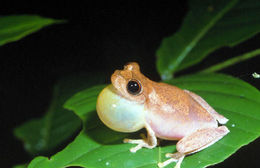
<point x="175" y="157"/>
<point x="144" y="142"/>
<point x="148" y="142"/>
<point x="195" y="142"/>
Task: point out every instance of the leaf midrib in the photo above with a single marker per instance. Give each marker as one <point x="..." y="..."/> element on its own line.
<point x="202" y="32"/>
<point x="49" y="116"/>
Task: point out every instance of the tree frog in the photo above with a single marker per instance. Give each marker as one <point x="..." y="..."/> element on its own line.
<point x="133" y="102"/>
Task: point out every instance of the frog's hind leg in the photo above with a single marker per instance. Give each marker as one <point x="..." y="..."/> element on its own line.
<point x="148" y="142"/>
<point x="220" y="118"/>
<point x="195" y="142"/>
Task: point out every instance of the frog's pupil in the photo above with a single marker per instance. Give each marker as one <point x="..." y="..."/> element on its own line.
<point x="133" y="87"/>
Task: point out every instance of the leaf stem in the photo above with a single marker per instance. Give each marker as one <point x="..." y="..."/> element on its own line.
<point x="232" y="61"/>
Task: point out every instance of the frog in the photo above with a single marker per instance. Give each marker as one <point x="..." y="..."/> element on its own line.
<point x="132" y="102"/>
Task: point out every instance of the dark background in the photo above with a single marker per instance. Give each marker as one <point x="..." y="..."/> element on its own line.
<point x="98" y="37"/>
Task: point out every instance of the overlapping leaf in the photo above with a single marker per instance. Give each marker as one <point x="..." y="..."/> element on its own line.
<point x="201" y="33"/>
<point x="20" y="166"/>
<point x="15" y="27"/>
<point x="208" y="26"/>
<point x="98" y="146"/>
<point x="46" y="133"/>
<point x="84" y="101"/>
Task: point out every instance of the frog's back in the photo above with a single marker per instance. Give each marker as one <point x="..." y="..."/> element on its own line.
<point x="173" y="113"/>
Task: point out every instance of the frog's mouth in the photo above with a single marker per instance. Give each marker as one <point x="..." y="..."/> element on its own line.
<point x="119" y="113"/>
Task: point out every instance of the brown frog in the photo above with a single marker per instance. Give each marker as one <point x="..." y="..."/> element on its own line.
<point x="167" y="112"/>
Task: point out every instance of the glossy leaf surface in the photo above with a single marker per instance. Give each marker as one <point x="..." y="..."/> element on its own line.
<point x="208" y="26"/>
<point x="15" y="27"/>
<point x="98" y="147"/>
<point x="58" y="124"/>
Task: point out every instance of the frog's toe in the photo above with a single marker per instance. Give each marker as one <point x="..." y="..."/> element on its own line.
<point x="165" y="163"/>
<point x="168" y="155"/>
<point x="160" y="165"/>
<point x="136" y="148"/>
<point x="175" y="157"/>
<point x="133" y="141"/>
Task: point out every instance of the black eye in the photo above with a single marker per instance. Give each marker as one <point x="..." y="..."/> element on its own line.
<point x="134" y="87"/>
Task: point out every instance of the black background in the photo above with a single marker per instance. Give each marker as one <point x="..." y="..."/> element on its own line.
<point x="98" y="37"/>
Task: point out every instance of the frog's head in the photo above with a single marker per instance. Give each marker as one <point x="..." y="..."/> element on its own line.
<point x="130" y="83"/>
<point x="121" y="105"/>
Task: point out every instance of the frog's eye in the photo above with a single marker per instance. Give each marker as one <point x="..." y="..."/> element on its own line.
<point x="134" y="87"/>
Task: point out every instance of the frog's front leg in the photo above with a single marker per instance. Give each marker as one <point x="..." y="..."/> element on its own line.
<point x="195" y="142"/>
<point x="148" y="142"/>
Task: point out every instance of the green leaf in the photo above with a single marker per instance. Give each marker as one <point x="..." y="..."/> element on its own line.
<point x="15" y="27"/>
<point x="20" y="166"/>
<point x="84" y="101"/>
<point x="208" y="26"/>
<point x="44" y="134"/>
<point x="232" y="61"/>
<point x="97" y="146"/>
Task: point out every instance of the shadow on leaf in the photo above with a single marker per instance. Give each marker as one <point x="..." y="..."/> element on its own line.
<point x="96" y="130"/>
